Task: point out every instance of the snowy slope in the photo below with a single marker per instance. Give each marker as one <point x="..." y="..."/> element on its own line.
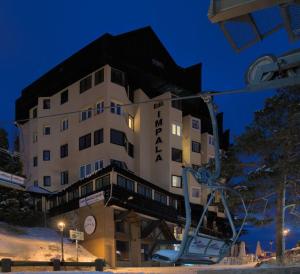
<point x="37" y="244"/>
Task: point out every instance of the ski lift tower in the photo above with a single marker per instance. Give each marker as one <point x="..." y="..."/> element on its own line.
<point x="246" y="22"/>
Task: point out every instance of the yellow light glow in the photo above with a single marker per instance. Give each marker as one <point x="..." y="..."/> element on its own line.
<point x="286" y="232"/>
<point x="61" y="226"/>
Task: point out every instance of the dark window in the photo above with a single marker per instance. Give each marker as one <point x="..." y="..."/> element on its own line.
<point x="73" y="194"/>
<point x="46" y="155"/>
<point x="118" y="77"/>
<point x="125" y="183"/>
<point x="86" y="114"/>
<point x="46" y="104"/>
<point x="85" y="141"/>
<point x="177" y="103"/>
<point x="160" y="197"/>
<point x="119" y="164"/>
<point x="98" y="165"/>
<point x="130" y="150"/>
<point x="100" y="107"/>
<point x="64" y="151"/>
<point x="196" y="167"/>
<point x="176" y="155"/>
<point x="64" y="97"/>
<point x="99" y="76"/>
<point x="120" y="227"/>
<point x="62" y="199"/>
<point x="98" y="136"/>
<point x="115" y="108"/>
<point x="122" y="250"/>
<point x="36" y="183"/>
<point x="117" y="137"/>
<point x="34" y="113"/>
<point x="102" y="182"/>
<point x="64" y="124"/>
<point x="47" y="130"/>
<point x="172" y="202"/>
<point x="85" y="84"/>
<point x="176" y="181"/>
<point x="64" y="177"/>
<point x="145" y="252"/>
<point x="87" y="189"/>
<point x="196" y="147"/>
<point x="35" y="161"/>
<point x="47" y="181"/>
<point x="144" y="190"/>
<point x="195" y="124"/>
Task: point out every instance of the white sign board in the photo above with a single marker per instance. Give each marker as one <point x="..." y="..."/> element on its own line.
<point x="76" y="235"/>
<point x="91" y="199"/>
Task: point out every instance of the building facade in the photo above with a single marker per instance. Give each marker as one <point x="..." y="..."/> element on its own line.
<point x="101" y="133"/>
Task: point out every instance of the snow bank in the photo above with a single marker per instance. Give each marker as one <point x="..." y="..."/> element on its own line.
<point x="37" y="244"/>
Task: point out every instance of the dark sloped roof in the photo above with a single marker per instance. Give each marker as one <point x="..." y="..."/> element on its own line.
<point x="139" y="53"/>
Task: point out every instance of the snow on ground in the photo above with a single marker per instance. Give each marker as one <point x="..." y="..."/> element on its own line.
<point x="179" y="269"/>
<point x="37" y="244"/>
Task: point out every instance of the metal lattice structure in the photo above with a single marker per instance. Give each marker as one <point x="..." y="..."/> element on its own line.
<point x="246" y="22"/>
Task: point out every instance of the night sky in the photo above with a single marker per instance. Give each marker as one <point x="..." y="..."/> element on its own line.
<point x="37" y="35"/>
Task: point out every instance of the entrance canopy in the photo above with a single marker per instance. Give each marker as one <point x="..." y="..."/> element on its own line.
<point x="246" y="22"/>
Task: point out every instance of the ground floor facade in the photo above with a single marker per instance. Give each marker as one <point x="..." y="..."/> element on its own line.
<point x="125" y="218"/>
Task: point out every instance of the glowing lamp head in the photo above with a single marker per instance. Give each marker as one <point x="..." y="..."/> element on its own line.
<point x="61" y="226"/>
<point x="286" y="231"/>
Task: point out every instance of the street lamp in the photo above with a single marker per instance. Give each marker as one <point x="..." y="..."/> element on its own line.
<point x="61" y="227"/>
<point x="285" y="232"/>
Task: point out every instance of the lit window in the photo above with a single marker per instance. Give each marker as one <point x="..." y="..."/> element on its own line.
<point x="64" y="124"/>
<point x="176" y="130"/>
<point x="196" y="192"/>
<point x="130" y="122"/>
<point x="176" y="181"/>
<point x="86" y="114"/>
<point x="195" y="124"/>
<point x="46" y="130"/>
<point x="100" y="107"/>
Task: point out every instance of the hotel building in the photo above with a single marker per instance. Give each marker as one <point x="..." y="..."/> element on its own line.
<point x="110" y="159"/>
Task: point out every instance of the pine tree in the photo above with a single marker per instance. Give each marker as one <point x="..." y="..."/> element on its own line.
<point x="271" y="141"/>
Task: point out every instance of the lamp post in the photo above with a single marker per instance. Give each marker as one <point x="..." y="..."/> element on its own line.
<point x="271" y="244"/>
<point x="61" y="227"/>
<point x="285" y="232"/>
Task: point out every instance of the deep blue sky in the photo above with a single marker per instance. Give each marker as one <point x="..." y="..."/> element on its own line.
<point x="36" y="35"/>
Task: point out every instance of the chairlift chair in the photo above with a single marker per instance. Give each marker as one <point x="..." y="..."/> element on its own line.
<point x="246" y="22"/>
<point x="197" y="247"/>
